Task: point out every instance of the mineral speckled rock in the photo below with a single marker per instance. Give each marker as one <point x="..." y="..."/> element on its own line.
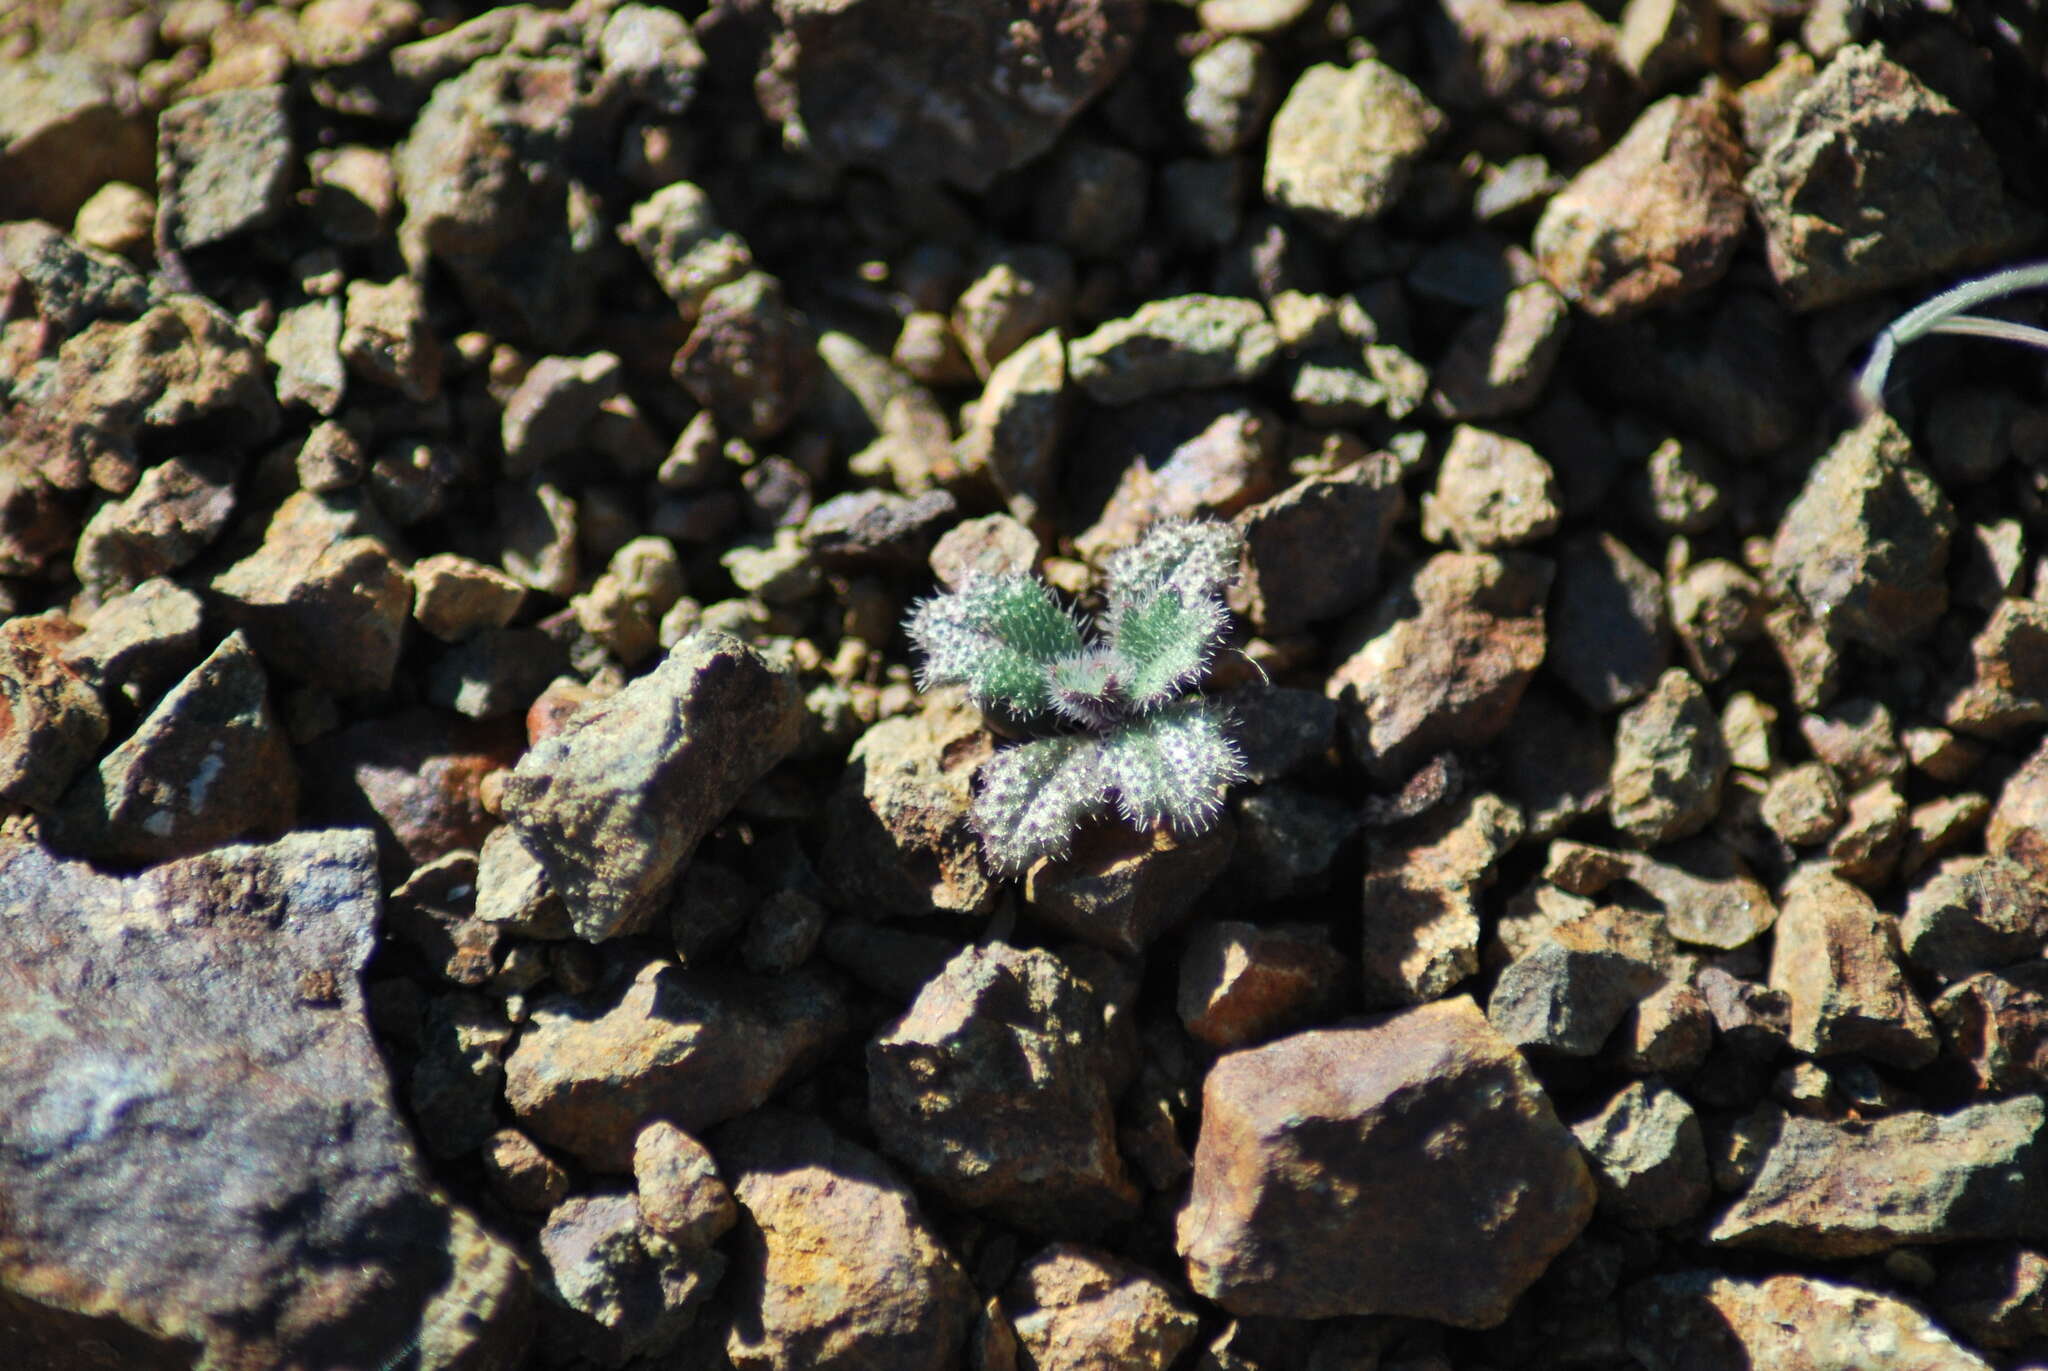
<point x="1649" y="1156"/>
<point x="51" y="721"/>
<point x="836" y="1266"/>
<point x="208" y="765"/>
<point x="1444" y="660"/>
<point x="678" y="1188"/>
<point x="414" y="777"/>
<point x="177" y="508"/>
<point x="1865" y="545"/>
<point x="1852" y="1189"/>
<point x="1975" y="914"/>
<point x="1835" y="953"/>
<point x="1423" y="884"/>
<point x="1187" y="343"/>
<point x="140" y="642"/>
<point x="1669" y="761"/>
<point x="1867" y="133"/>
<point x="695" y="1048"/>
<point x="1080" y="1309"/>
<point x="1566" y="997"/>
<point x="957" y="93"/>
<point x="1242" y="982"/>
<point x="990" y="1089"/>
<point x="900" y="838"/>
<point x="1492" y="491"/>
<point x="1409" y="1166"/>
<point x="188" y="1148"/>
<point x="1345" y="141"/>
<point x="1707" y="1321"/>
<point x="615" y="804"/>
<point x="632" y="1293"/>
<point x="225" y="163"/>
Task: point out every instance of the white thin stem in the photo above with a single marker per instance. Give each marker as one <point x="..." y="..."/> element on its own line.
<point x="1939" y="315"/>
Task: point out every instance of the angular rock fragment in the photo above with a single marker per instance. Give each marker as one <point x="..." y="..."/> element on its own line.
<point x="615" y="803"/>
<point x="177" y="508"/>
<point x="1018" y="425"/>
<point x="1190" y="342"/>
<point x="1706" y="1321"/>
<point x="1610" y="633"/>
<point x="1344" y="142"/>
<point x="836" y="1266"/>
<point x="224" y="165"/>
<point x="139" y="642"/>
<point x="1852" y="1189"/>
<point x="1409" y="1166"/>
<point x="677" y="233"/>
<point x="2007" y="686"/>
<point x="1492" y="491"/>
<point x="305" y="347"/>
<point x="208" y="765"/>
<point x="676" y="1183"/>
<point x="1021" y="292"/>
<point x="1567" y="997"/>
<point x="1873" y="180"/>
<point x="1865" y="545"/>
<point x="1669" y="761"/>
<point x="1446" y="656"/>
<point x="1079" y="1309"/>
<point x="1834" y="955"/>
<point x="1240" y="982"/>
<point x="1502" y="358"/>
<point x="991" y="1090"/>
<point x="946" y="92"/>
<point x="1120" y="889"/>
<point x="1975" y="914"/>
<point x="1649" y="1157"/>
<point x="51" y="721"/>
<point x="413" y="777"/>
<point x="690" y="1047"/>
<point x="460" y="1073"/>
<point x="900" y="838"/>
<point x="387" y="340"/>
<point x="1312" y="552"/>
<point x="635" y="1293"/>
<point x="188" y="1149"/>
<point x="1996" y="1024"/>
<point x="1422" y="899"/>
<point x="1706" y="892"/>
<point x="69" y="124"/>
<point x="1655" y="219"/>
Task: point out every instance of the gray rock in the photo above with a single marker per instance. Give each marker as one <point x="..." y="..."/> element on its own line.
<point x="1853" y="1189"/>
<point x="1345" y="142"/>
<point x="305" y="347"/>
<point x="1313" y="551"/>
<point x="138" y="643"/>
<point x="179" y="1153"/>
<point x="1019" y="423"/>
<point x="1286" y="840"/>
<point x="1610" y="634"/>
<point x="224" y="165"/>
<point x="1186" y="343"/>
<point x="636" y="1295"/>
<point x="2006" y="688"/>
<point x="1231" y="89"/>
<point x="387" y="339"/>
<point x="208" y="765"/>
<point x="1865" y="545"/>
<point x="836" y="1266"/>
<point x="1873" y="180"/>
<point x="694" y="1048"/>
<point x="676" y="1183"/>
<point x="677" y="234"/>
<point x="1020" y="293"/>
<point x="615" y="803"/>
<point x="1409" y="1166"/>
<point x="1717" y="609"/>
<point x="1501" y="358"/>
<point x="1566" y="997"/>
<point x="990" y="1089"/>
<point x="750" y="359"/>
<point x="1705" y="891"/>
<point x="1649" y="1157"/>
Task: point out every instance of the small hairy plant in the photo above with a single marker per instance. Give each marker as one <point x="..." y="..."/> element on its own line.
<point x="1119" y="725"/>
<point x="1944" y="314"/>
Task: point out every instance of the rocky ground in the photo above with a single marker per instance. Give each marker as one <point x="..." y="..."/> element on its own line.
<point x="479" y="887"/>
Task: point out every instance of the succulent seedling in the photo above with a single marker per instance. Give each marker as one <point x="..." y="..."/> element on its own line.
<point x="1117" y="725"/>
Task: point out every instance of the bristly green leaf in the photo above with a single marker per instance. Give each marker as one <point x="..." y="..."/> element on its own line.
<point x="1173" y="765"/>
<point x="1034" y="795"/>
<point x="1197" y="560"/>
<point x="997" y="635"/>
<point x="1164" y="644"/>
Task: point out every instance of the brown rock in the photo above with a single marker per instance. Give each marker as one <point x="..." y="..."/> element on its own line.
<point x="627" y="1292"/>
<point x="900" y="839"/>
<point x="1445" y="658"/>
<point x="1078" y="1309"/>
<point x="1975" y="914"/>
<point x="525" y="1179"/>
<point x="1501" y="359"/>
<point x="175" y="511"/>
<point x="1834" y="955"/>
<point x="51" y="721"/>
<point x="208" y="765"/>
<point x="2018" y="827"/>
<point x="615" y="804"/>
<point x="675" y="1180"/>
<point x="1853" y="1189"/>
<point x="137" y="644"/>
<point x="1554" y="70"/>
<point x="1022" y="292"/>
<point x="1804" y="805"/>
<point x="1704" y="1321"/>
<point x="1422" y="899"/>
<point x="1019" y="423"/>
<point x="1996" y="1024"/>
<point x="955" y="94"/>
<point x="750" y="359"/>
<point x="1655" y="219"/>
<point x="69" y="124"/>
<point x="1997" y="1299"/>
<point x="386" y="338"/>
<point x="1649" y="1157"/>
<point x="1706" y="892"/>
<point x="1344" y="143"/>
<point x="1220" y="454"/>
<point x="2007" y="688"/>
<point x="1241" y="983"/>
<point x="1313" y="551"/>
<point x="1492" y="491"/>
<point x="693" y="1048"/>
<point x="836" y="1267"/>
<point x="1120" y="889"/>
<point x="1610" y="634"/>
<point x="1669" y="761"/>
<point x="414" y="778"/>
<point x="990" y="1088"/>
<point x="221" y="1151"/>
<point x="1357" y="1171"/>
<point x="454" y="597"/>
<point x="224" y="164"/>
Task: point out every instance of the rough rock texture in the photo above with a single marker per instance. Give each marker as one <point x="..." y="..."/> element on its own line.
<point x="220" y="1126"/>
<point x="1610" y="634"/>
<point x="836" y="1265"/>
<point x="1240" y="983"/>
<point x="1344" y="142"/>
<point x="693" y="1048"/>
<point x="956" y="93"/>
<point x="1865" y="545"/>
<point x="1189" y="343"/>
<point x="1120" y="889"/>
<point x="1077" y="1309"/>
<point x="1865" y="133"/>
<point x="1446" y="655"/>
<point x="1669" y="761"/>
<point x="1649" y="1156"/>
<point x="1313" y="551"/>
<point x="1408" y="1166"/>
<point x="1704" y="1321"/>
<point x="990" y="1089"/>
<point x="615" y="803"/>
<point x="1423" y="886"/>
<point x="1850" y="1189"/>
<point x="1834" y="954"/>
<point x="51" y="721"/>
